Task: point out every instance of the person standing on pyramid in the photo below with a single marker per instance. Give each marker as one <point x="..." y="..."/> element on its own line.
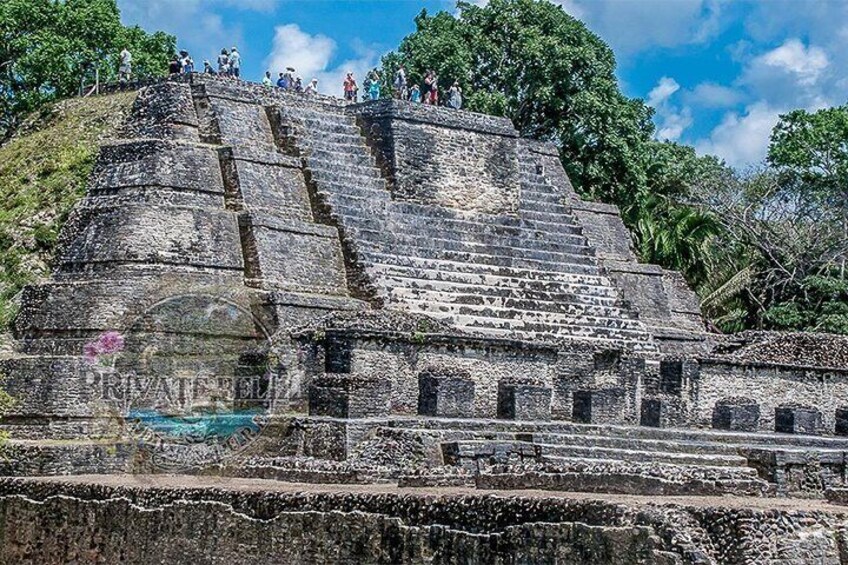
<point x="350" y="88"/>
<point x="400" y="84"/>
<point x="455" y="96"/>
<point x="235" y="63"/>
<point x="266" y="80"/>
<point x="374" y="85"/>
<point x="125" y="67"/>
<point x="223" y="62"/>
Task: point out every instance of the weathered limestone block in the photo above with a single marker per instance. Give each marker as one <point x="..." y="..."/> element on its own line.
<point x="604" y="406"/>
<point x="161" y="164"/>
<point x="294" y="255"/>
<point x="349" y="396"/>
<point x="737" y="414"/>
<point x="115" y="303"/>
<point x="242" y="123"/>
<point x="429" y="154"/>
<point x="163" y="111"/>
<point x="517" y="401"/>
<point x="141" y="234"/>
<point x="797" y="420"/>
<point x="273" y="185"/>
<point x="445" y="394"/>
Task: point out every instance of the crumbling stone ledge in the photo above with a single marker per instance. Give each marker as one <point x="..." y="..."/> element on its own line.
<point x="239" y="521"/>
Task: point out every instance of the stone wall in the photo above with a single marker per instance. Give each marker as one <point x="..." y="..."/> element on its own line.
<point x="771" y="386"/>
<point x="402" y="360"/>
<point x="438" y="156"/>
<point x="44" y="522"/>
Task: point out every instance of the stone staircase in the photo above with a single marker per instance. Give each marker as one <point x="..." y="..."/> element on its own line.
<point x="730" y="462"/>
<point x="529" y="275"/>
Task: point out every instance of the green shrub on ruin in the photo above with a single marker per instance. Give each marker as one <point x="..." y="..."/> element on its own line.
<point x="44" y="169"/>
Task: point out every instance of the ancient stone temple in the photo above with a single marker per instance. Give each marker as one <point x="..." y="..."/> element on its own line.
<point x="392" y="301"/>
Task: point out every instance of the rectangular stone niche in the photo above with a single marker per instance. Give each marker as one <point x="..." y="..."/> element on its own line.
<point x="524" y="402"/>
<point x="841" y="428"/>
<point x="445" y="395"/>
<point x="654" y="413"/>
<point x="598" y="406"/>
<point x="349" y="396"/>
<point x="797" y="420"/>
<point x="738" y="416"/>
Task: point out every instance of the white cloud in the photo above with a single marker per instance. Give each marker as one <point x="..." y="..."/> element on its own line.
<point x="793" y="57"/>
<point x="661" y="92"/>
<point x="712" y="95"/>
<point x="293" y="47"/>
<point x="672" y="120"/>
<point x="792" y="75"/>
<point x="674" y="123"/>
<point x="742" y="140"/>
<point x="312" y="55"/>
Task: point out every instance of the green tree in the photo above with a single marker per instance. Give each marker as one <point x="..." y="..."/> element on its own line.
<point x="668" y="226"/>
<point x="530" y="61"/>
<point x="777" y="261"/>
<point x="44" y="45"/>
<point x="812" y="148"/>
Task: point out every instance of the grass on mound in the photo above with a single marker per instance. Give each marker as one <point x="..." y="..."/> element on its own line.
<point x="43" y="173"/>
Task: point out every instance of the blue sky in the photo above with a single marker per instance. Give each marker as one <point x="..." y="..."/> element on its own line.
<point x="718" y="72"/>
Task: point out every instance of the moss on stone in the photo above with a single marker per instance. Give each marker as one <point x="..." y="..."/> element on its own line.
<point x="43" y="173"/>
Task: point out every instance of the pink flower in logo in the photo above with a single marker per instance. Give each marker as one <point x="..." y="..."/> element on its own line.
<point x="111" y="342"/>
<point x="107" y="344"/>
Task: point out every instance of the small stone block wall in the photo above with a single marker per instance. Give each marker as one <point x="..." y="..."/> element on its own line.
<point x="797" y="420"/>
<point x="349" y="396"/>
<point x="524" y="402"/>
<point x="598" y="406"/>
<point x="740" y="415"/>
<point x="445" y="395"/>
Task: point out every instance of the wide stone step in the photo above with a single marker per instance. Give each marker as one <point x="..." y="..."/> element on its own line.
<point x="613" y="442"/>
<point x="617" y="477"/>
<point x="431" y="211"/>
<point x="323" y="128"/>
<point x="532" y="320"/>
<point x="531" y="325"/>
<point x="526" y="260"/>
<point x="457" y="241"/>
<point x="341" y="178"/>
<point x="328" y="157"/>
<point x="448" y="266"/>
<point x="553" y="198"/>
<point x="545" y="206"/>
<point x="490" y="236"/>
<point x="548" y="218"/>
<point x="751" y="439"/>
<point x="556" y="293"/>
<point x="516" y="229"/>
<point x="458" y="297"/>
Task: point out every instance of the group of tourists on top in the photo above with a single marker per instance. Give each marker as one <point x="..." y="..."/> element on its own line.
<point x="289" y="81"/>
<point x="428" y="92"/>
<point x="229" y="64"/>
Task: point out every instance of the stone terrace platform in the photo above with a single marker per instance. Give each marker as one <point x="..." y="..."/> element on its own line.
<point x="154" y="519"/>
